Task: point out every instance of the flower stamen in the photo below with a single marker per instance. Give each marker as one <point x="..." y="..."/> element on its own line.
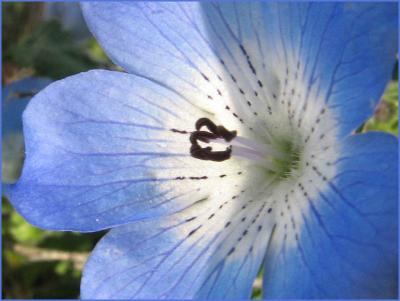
<point x="236" y="146"/>
<point x="206" y="153"/>
<point x="216" y="132"/>
<point x="281" y="158"/>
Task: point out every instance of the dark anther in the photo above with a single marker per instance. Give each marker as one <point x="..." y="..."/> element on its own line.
<point x="206" y="122"/>
<point x="206" y="153"/>
<point x="219" y="130"/>
<point x="202" y="136"/>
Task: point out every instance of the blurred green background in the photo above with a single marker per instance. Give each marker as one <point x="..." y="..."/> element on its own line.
<point x="44" y="264"/>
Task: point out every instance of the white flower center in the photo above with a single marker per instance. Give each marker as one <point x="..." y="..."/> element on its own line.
<point x="280" y="157"/>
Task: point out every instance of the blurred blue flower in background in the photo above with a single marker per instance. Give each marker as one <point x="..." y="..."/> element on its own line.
<point x="227" y="146"/>
<point x="15" y="98"/>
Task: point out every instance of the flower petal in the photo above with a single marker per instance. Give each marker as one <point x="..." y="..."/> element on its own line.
<point x="337" y="55"/>
<point x="212" y="253"/>
<point x="106" y="148"/>
<point x="348" y="244"/>
<point x="295" y="59"/>
<point x="191" y="49"/>
<point x="157" y="41"/>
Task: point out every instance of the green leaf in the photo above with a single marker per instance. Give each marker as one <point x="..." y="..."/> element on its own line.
<point x="386" y="114"/>
<point x="51" y="52"/>
<point x="23" y="232"/>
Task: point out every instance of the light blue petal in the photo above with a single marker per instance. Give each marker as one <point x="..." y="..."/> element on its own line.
<point x="158" y="41"/>
<point x="348" y="247"/>
<point x="342" y="53"/>
<point x="106" y="148"/>
<point x="272" y="55"/>
<point x="206" y="255"/>
<point x="170" y="44"/>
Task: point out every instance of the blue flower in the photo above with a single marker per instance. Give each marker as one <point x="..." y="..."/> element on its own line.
<point x="15" y="97"/>
<point x="226" y="147"/>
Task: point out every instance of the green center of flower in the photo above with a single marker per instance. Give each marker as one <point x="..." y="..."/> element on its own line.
<point x="280" y="157"/>
<point x="287" y="165"/>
